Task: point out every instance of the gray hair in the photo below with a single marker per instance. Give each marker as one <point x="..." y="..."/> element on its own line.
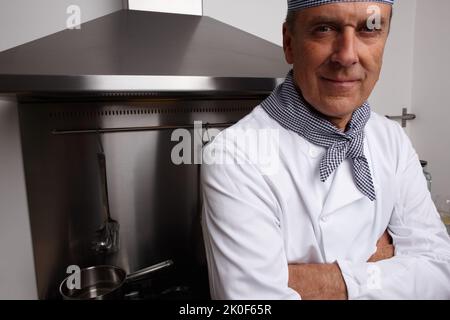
<point x="290" y="20"/>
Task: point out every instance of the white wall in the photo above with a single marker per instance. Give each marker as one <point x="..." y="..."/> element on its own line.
<point x="261" y="18"/>
<point x="393" y="91"/>
<point x="431" y="91"/>
<point x="22" y="21"/>
<point x="193" y="7"/>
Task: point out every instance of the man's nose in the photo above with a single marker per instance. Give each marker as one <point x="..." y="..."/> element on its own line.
<point x="345" y="50"/>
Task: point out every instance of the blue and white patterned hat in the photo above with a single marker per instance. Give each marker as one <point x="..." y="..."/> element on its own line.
<point x="303" y="4"/>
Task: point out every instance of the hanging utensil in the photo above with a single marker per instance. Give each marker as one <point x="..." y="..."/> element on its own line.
<point x="107" y="236"/>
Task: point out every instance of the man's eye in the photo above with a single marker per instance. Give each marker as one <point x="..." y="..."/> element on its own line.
<point x="323" y="29"/>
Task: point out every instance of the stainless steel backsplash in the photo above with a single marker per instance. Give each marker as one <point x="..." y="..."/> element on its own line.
<point x="155" y="201"/>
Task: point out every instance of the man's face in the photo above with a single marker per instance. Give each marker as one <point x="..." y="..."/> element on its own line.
<point x="336" y="58"/>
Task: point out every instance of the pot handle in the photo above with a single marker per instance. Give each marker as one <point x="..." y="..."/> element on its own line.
<point x="138" y="274"/>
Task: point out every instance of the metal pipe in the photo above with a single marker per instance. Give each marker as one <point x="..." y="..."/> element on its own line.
<point x="138" y="129"/>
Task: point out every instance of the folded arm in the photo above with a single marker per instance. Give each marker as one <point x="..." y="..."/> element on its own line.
<point x="325" y="281"/>
<point x="247" y="259"/>
<point x="420" y="268"/>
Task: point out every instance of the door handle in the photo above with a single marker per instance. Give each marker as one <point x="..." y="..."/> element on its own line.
<point x="404" y="117"/>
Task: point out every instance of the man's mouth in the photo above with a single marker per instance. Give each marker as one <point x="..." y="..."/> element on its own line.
<point x="341" y="82"/>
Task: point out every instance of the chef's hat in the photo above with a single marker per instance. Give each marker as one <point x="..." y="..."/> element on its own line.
<point x="303" y="4"/>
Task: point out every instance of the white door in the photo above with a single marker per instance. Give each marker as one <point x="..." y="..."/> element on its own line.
<point x="430" y="133"/>
<point x="393" y="90"/>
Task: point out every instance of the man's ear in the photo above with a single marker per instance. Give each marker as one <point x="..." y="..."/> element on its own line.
<point x="287" y="44"/>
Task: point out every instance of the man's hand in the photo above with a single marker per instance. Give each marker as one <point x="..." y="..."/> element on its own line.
<point x="385" y="249"/>
<point x="325" y="281"/>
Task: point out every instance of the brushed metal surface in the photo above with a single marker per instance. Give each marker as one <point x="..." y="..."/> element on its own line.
<point x="156" y="202"/>
<point x="156" y="85"/>
<point x="110" y="53"/>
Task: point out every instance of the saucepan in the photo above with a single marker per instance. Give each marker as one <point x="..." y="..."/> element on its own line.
<point x="104" y="282"/>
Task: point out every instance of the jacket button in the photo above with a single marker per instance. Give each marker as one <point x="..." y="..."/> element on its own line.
<point x="313" y="152"/>
<point x="324" y="219"/>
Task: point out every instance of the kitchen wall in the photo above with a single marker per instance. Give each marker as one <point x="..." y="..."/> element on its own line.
<point x="22" y="21"/>
<point x="431" y="94"/>
<point x="193" y="7"/>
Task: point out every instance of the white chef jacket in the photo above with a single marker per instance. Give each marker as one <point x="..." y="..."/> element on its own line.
<point x="257" y="222"/>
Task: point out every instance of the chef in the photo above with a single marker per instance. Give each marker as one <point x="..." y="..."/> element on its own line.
<point x="346" y="213"/>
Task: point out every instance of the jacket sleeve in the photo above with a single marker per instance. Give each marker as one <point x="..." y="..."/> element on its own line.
<point x="243" y="239"/>
<point x="420" y="268"/>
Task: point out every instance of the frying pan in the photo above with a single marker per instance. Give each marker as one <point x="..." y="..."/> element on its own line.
<point x="104" y="282"/>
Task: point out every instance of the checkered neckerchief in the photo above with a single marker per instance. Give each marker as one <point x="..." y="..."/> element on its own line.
<point x="288" y="107"/>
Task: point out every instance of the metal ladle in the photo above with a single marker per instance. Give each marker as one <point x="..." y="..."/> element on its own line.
<point x="107" y="236"/>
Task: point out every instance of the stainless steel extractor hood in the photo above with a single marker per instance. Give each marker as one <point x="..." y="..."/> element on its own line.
<point x="138" y="51"/>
